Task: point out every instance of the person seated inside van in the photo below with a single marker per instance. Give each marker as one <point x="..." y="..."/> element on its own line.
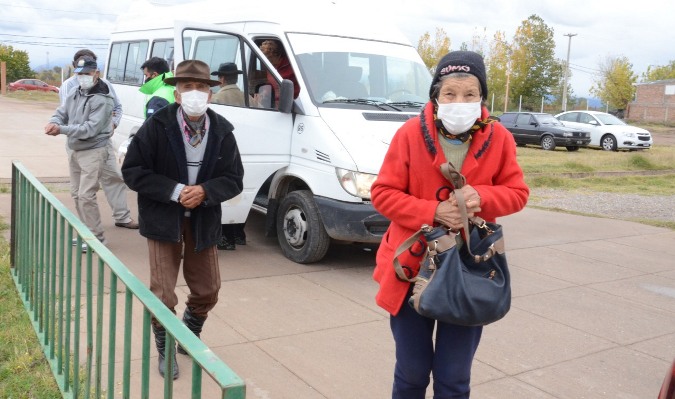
<point x="275" y="53"/>
<point x="229" y="93"/>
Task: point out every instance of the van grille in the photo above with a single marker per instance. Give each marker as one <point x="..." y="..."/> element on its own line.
<point x="387" y="117"/>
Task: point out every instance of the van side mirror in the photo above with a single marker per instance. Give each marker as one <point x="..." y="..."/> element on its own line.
<point x="286" y="96"/>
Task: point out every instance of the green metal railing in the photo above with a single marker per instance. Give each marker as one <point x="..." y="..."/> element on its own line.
<point x="50" y="274"/>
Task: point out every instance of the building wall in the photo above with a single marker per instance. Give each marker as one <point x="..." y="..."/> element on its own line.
<point x="654" y="102"/>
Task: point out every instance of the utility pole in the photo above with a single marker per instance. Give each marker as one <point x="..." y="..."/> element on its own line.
<point x="567" y="68"/>
<point x="506" y="96"/>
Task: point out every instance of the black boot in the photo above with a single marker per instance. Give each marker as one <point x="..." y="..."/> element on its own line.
<point x="194" y="323"/>
<point x="160" y="342"/>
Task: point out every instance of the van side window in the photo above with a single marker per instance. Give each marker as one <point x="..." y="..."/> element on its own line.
<point x="221" y="50"/>
<point x="162" y="49"/>
<point x="125" y="62"/>
<point x="276" y="55"/>
<point x="258" y="82"/>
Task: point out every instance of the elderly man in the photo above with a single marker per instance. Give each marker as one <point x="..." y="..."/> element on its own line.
<point x="183" y="162"/>
<point x="86" y="118"/>
<point x="111" y="178"/>
<point x="229" y="93"/>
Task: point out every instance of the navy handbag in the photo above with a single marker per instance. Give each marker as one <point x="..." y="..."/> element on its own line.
<point x="464" y="277"/>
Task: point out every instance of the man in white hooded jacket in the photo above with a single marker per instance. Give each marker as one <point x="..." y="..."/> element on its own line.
<point x="85" y="118"/>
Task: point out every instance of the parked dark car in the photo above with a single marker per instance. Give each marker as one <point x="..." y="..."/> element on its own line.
<point x="544" y="130"/>
<point x="32" y="84"/>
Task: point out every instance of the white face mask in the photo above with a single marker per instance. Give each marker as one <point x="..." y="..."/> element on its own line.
<point x="194" y="102"/>
<point x="458" y="118"/>
<point x="86" y="81"/>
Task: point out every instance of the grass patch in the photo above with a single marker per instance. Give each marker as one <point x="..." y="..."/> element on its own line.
<point x="644" y="185"/>
<point x="34" y="96"/>
<point x="534" y="160"/>
<point x="24" y="371"/>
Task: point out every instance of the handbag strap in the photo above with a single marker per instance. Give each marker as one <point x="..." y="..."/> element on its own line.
<point x="478" y="223"/>
<point x="458" y="181"/>
<point x="405" y="245"/>
<point x="452" y="175"/>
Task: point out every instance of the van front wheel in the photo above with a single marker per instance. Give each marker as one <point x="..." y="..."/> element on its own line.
<point x="300" y="231"/>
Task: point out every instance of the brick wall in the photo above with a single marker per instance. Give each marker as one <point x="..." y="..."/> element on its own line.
<point x="652" y="104"/>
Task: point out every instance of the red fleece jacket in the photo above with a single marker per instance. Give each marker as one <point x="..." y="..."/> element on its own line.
<point x="405" y="191"/>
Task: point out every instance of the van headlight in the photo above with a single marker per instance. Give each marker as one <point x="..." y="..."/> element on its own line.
<point x="356" y="183"/>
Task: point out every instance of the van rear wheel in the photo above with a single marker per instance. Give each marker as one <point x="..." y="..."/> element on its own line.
<point x="300" y="231"/>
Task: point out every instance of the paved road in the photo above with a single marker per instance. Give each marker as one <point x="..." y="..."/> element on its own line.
<point x="593" y="314"/>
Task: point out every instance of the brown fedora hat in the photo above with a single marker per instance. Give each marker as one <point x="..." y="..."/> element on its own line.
<point x="192" y="70"/>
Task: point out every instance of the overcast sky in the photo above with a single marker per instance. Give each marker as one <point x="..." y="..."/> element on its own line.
<point x="52" y="31"/>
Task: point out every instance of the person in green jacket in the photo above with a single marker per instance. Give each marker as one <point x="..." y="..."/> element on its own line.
<point x="156" y="69"/>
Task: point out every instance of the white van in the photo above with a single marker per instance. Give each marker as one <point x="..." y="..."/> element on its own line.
<point x="309" y="161"/>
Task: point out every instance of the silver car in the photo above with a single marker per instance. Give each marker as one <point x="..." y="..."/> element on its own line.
<point x="607" y="131"/>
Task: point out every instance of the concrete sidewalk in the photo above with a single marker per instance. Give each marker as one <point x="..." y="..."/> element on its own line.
<point x="593" y="314"/>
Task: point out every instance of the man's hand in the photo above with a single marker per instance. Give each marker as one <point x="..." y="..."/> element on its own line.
<point x="52" y="129"/>
<point x="192" y="196"/>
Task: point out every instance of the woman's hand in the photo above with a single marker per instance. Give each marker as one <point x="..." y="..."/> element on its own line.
<point x="448" y="214"/>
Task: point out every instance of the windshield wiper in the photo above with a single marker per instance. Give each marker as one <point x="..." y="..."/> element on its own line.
<point x="377" y="104"/>
<point x="407" y="103"/>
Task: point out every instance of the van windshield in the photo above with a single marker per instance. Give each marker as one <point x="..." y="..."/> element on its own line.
<point x="346" y="72"/>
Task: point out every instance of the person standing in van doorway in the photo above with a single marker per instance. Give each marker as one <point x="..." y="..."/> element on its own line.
<point x="155" y="70"/>
<point x="229" y="94"/>
<point x="86" y="118"/>
<point x="184" y="162"/>
<point x="276" y="54"/>
<point x="111" y="178"/>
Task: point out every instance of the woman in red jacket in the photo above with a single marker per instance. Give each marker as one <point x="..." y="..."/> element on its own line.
<point x="453" y="126"/>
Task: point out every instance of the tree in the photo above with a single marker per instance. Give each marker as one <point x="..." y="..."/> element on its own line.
<point x="431" y="53"/>
<point x="616" y="84"/>
<point x="18" y="65"/>
<point x="497" y="64"/>
<point x="659" y="72"/>
<point x="51" y="76"/>
<point x="535" y="71"/>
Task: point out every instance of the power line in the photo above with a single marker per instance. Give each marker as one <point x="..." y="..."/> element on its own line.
<point x="583" y="67"/>
<point x="51" y="37"/>
<point x="51" y="9"/>
<point x="96" y="45"/>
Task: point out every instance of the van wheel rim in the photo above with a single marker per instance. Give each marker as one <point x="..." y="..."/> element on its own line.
<point x="295" y="228"/>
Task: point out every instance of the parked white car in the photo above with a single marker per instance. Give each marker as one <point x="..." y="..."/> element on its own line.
<point x="607" y="131"/>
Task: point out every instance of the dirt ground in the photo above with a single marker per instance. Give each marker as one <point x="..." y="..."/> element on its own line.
<point x="662" y="135"/>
